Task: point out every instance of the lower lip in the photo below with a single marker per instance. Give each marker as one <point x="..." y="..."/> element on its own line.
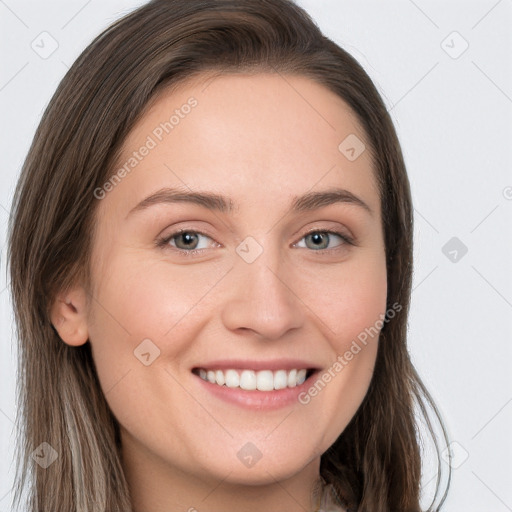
<point x="259" y="400"/>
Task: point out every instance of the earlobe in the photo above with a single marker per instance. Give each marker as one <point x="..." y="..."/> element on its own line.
<point x="69" y="317"/>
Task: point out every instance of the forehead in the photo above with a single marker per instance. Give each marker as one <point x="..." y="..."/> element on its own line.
<point x="248" y="136"/>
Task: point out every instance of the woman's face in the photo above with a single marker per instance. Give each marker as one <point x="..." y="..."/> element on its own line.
<point x="255" y="288"/>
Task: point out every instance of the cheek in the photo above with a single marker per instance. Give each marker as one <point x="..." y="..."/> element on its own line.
<point x="143" y="308"/>
<point x="351" y="304"/>
<point x="347" y="298"/>
<point x="142" y="300"/>
<point x="149" y="297"/>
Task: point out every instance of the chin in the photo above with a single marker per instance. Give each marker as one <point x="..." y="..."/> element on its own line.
<point x="247" y="466"/>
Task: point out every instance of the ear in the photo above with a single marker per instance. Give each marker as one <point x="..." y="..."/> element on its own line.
<point x="69" y="316"/>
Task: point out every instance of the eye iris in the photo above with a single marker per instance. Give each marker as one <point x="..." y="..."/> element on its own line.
<point x="189" y="237"/>
<point x="317" y="238"/>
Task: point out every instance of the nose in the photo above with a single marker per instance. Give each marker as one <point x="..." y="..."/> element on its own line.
<point x="262" y="298"/>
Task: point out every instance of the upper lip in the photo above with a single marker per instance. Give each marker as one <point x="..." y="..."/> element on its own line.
<point x="245" y="364"/>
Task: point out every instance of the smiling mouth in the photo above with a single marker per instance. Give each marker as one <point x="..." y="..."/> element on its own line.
<point x="251" y="380"/>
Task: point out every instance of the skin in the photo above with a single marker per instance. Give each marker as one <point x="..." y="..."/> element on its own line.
<point x="260" y="140"/>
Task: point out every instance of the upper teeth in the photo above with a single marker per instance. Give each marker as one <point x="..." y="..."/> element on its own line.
<point x="264" y="380"/>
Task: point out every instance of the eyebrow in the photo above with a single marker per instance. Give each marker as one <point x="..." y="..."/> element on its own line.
<point x="215" y="202"/>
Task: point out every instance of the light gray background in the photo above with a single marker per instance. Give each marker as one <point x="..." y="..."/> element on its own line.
<point x="453" y="114"/>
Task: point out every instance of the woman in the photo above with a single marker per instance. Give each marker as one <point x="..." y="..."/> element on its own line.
<point x="211" y="257"/>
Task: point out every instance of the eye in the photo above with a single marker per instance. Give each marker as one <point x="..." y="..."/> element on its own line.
<point x="185" y="241"/>
<point x="319" y="240"/>
<point x="188" y="242"/>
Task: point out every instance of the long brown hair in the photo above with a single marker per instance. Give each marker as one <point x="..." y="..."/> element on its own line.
<point x="375" y="464"/>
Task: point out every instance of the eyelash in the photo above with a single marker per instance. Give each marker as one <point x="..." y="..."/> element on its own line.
<point x="163" y="242"/>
